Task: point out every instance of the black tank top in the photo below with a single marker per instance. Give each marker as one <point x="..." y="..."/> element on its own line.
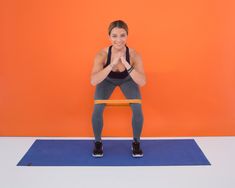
<point x="122" y="74"/>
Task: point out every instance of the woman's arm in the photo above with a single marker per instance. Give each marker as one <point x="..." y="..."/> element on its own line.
<point x="137" y="73"/>
<point x="99" y="73"/>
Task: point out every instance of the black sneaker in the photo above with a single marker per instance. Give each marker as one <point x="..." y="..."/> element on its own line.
<point x="98" y="150"/>
<point x="136" y="150"/>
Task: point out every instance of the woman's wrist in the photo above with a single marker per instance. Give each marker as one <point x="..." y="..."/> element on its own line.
<point x="111" y="65"/>
<point x="130" y="69"/>
<point x="127" y="65"/>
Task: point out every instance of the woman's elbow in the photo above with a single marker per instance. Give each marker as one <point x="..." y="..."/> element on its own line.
<point x="142" y="83"/>
<point x="93" y="82"/>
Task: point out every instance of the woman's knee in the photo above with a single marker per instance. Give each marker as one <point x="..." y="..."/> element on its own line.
<point x="98" y="109"/>
<point x="137" y="110"/>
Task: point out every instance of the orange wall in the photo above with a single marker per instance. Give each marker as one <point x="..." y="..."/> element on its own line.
<point x="47" y="49"/>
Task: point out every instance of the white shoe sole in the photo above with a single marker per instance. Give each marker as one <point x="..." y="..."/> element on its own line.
<point x="136" y="156"/>
<point x="97" y="155"/>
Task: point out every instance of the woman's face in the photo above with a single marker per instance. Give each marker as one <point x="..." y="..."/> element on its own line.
<point x="118" y="37"/>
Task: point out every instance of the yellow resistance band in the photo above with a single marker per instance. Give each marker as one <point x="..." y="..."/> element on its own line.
<point x="124" y="102"/>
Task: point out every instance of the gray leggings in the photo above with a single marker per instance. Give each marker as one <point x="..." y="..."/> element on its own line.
<point x="131" y="91"/>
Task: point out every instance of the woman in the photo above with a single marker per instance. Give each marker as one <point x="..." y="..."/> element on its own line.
<point x="117" y="65"/>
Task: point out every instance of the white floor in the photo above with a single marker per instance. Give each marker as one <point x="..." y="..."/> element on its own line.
<point x="219" y="150"/>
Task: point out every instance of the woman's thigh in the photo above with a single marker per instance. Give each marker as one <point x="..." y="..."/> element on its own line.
<point x="104" y="90"/>
<point x="130" y="89"/>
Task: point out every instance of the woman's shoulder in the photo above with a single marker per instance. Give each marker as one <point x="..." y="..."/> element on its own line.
<point x="134" y="54"/>
<point x="102" y="53"/>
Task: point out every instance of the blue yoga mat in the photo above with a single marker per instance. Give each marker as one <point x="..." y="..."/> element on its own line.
<point x="164" y="152"/>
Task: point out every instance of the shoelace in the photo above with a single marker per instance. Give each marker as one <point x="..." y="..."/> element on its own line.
<point x="98" y="145"/>
<point x="136" y="146"/>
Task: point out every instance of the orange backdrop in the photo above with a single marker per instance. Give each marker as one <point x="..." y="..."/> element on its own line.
<point x="47" y="49"/>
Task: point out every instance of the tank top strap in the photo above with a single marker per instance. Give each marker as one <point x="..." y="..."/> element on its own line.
<point x="109" y="56"/>
<point x="127" y="55"/>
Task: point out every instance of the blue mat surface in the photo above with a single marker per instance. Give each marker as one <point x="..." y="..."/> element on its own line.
<point x="162" y="152"/>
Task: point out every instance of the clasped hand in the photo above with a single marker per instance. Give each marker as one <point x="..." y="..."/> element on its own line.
<point x="117" y="57"/>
